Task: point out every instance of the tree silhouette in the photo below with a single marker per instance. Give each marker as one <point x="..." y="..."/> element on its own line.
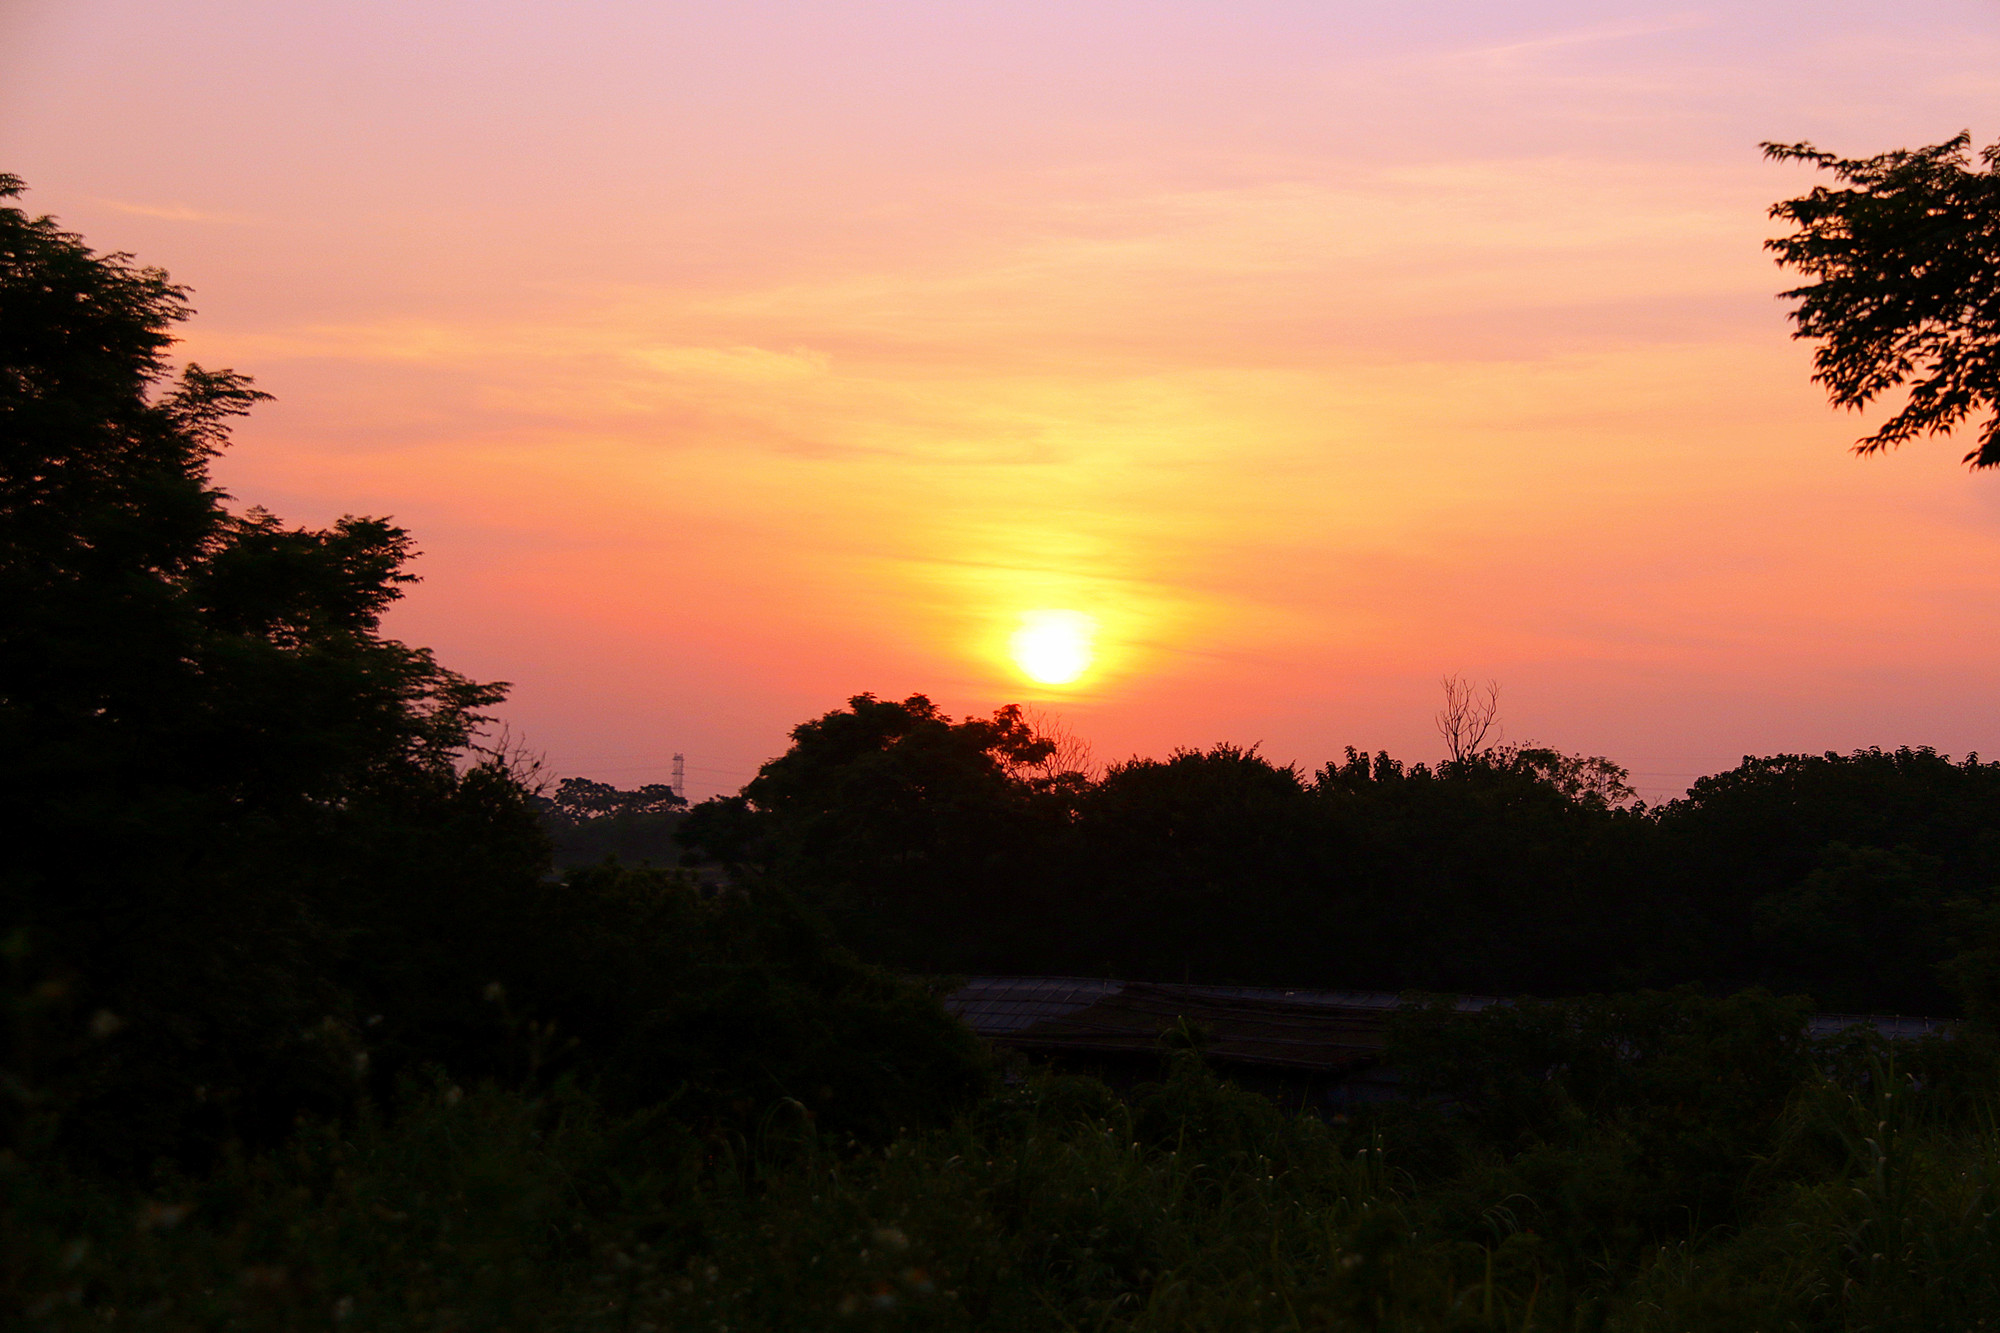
<point x="264" y="842"/>
<point x="152" y="632"/>
<point x="1906" y="290"/>
<point x="1068" y="756"/>
<point x="1468" y="716"/>
<point x="233" y="787"/>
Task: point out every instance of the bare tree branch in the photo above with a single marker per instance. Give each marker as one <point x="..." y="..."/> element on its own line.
<point x="1467" y="717"/>
<point x="1068" y="752"/>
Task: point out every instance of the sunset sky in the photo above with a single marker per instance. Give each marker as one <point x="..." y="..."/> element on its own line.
<point x="730" y="359"/>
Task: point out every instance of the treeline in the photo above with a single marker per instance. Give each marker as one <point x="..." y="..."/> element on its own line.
<point x="1869" y="881"/>
<point x="588" y="822"/>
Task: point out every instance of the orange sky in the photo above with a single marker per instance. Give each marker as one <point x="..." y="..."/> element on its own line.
<point x="728" y="360"/>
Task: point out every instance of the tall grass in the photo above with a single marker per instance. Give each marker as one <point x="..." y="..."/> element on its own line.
<point x="1187" y="1205"/>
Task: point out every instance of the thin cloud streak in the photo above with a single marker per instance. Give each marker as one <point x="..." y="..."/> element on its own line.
<point x="1571" y="39"/>
<point x="175" y="213"/>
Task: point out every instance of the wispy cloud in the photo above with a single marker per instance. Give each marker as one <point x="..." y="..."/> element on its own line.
<point x="176" y="213"/>
<point x="1596" y="34"/>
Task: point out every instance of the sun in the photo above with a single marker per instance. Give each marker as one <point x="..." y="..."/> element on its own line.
<point x="1053" y="647"/>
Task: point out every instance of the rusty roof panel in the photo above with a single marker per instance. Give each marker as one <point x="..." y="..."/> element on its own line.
<point x="1299" y="1029"/>
<point x="1238" y="1029"/>
<point x="996" y="1006"/>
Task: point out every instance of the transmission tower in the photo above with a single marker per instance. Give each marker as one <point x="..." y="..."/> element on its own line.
<point x="680" y="785"/>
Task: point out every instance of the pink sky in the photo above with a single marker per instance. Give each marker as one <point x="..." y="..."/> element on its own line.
<point x="728" y="360"/>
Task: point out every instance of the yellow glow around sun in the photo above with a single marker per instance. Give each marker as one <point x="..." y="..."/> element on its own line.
<point x="1053" y="647"/>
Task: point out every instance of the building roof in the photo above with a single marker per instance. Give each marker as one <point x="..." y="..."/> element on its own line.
<point x="1325" y="1031"/>
<point x="1328" y="1031"/>
<point x="1233" y="1029"/>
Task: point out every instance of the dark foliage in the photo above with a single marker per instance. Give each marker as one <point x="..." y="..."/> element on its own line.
<point x="1688" y="1088"/>
<point x="216" y="750"/>
<point x="1840" y="876"/>
<point x="588" y="821"/>
<point x="1906" y="262"/>
<point x="1648" y="1163"/>
<point x="1510" y="870"/>
<point x="906" y="827"/>
<point x="1866" y="880"/>
<point x="256" y="838"/>
<point x="716" y="1006"/>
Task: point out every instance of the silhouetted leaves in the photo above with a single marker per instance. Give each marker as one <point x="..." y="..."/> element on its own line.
<point x="1907" y="267"/>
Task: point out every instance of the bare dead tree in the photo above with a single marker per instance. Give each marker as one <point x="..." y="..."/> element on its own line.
<point x="1068" y="752"/>
<point x="1468" y="716"/>
<point x="498" y="745"/>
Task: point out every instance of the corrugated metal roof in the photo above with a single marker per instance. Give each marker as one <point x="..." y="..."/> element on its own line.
<point x="1233" y="1029"/>
<point x="1299" y="1029"/>
<point x="1321" y="1030"/>
<point x="1335" y="999"/>
<point x="1894" y="1026"/>
<point x="995" y="1006"/>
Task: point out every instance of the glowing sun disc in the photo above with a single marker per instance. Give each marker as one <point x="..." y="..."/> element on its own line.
<point x="1053" y="647"/>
